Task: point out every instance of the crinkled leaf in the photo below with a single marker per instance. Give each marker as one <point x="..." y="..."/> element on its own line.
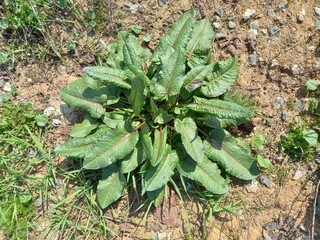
<point x="78" y="147"/>
<point x="312" y="84"/>
<point x="78" y="95"/>
<point x="133" y="160"/>
<point x="194" y="78"/>
<point x="111" y="186"/>
<point x="213" y="122"/>
<point x="137" y="96"/>
<point x="115" y="56"/>
<point x="159" y="175"/>
<point x="157" y="196"/>
<point x="83" y="129"/>
<point x="114" y="145"/>
<point x="146" y="140"/>
<point x="230" y="153"/>
<point x="206" y="173"/>
<point x="162" y="116"/>
<point x="224" y="75"/>
<point x="169" y="80"/>
<point x="219" y="108"/>
<point x="115" y="119"/>
<point x="311" y="136"/>
<point x="190" y="139"/>
<point x="200" y="44"/>
<point x="159" y="145"/>
<point x="113" y="76"/>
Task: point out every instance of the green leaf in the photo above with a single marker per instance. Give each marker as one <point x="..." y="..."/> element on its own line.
<point x="311" y="136"/>
<point x="157" y="196"/>
<point x="115" y="119"/>
<point x="162" y="116"/>
<point x="200" y="44"/>
<point x="133" y="160"/>
<point x="258" y="141"/>
<point x="219" y="108"/>
<point x="190" y="139"/>
<point x="206" y="173"/>
<point x="83" y="129"/>
<point x="158" y="176"/>
<point x="312" y="84"/>
<point x="41" y="120"/>
<point x="169" y="80"/>
<point x="194" y="78"/>
<point x="109" y="75"/>
<point x="137" y="96"/>
<point x="78" y="147"/>
<point x="112" y="146"/>
<point x="231" y="153"/>
<point x="263" y="162"/>
<point x="111" y="186"/>
<point x="178" y="36"/>
<point x="3" y="57"/>
<point x="224" y="75"/>
<point x="146" y="140"/>
<point x="4" y="24"/>
<point x="159" y="145"/>
<point x="213" y="122"/>
<point x="115" y="56"/>
<point x="136" y="29"/>
<point x="78" y="95"/>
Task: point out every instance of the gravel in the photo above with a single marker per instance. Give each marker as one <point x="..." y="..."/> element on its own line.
<point x="282" y="6"/>
<point x="216" y="18"/>
<point x="284" y="116"/>
<point x="219" y="12"/>
<point x="49" y="111"/>
<point x="133" y="7"/>
<point x="216" y="25"/>
<point x="249" y="13"/>
<point x="232" y="25"/>
<point x="56" y="122"/>
<point x="254" y="25"/>
<point x="270" y="12"/>
<point x="317" y="10"/>
<point x="279" y="102"/>
<point x="298" y="174"/>
<point x="301" y="16"/>
<point x="221" y="36"/>
<point x="317" y="23"/>
<point x="252" y="59"/>
<point x="265" y="182"/>
<point x="298" y="105"/>
<point x="7" y="87"/>
<point x="295" y="69"/>
<point x="162" y="2"/>
<point x="273" y="30"/>
<point x="38" y="202"/>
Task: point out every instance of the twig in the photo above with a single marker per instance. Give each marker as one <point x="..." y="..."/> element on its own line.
<point x="314" y="210"/>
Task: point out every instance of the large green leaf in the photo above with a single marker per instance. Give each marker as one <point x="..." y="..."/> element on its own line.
<point x="78" y="147"/>
<point x="83" y="129"/>
<point x="109" y="75"/>
<point x="194" y="78"/>
<point x="159" y="145"/>
<point x="78" y="95"/>
<point x="168" y="82"/>
<point x="158" y="176"/>
<point x="115" y="119"/>
<point x="200" y="44"/>
<point x="224" y="75"/>
<point x="213" y="122"/>
<point x="157" y="196"/>
<point x="115" y="55"/>
<point x="219" y="108"/>
<point x="137" y="96"/>
<point x="114" y="145"/>
<point x="190" y="139"/>
<point x="146" y="140"/>
<point x="133" y="160"/>
<point x="111" y="186"/>
<point x="206" y="173"/>
<point x="178" y="36"/>
<point x="232" y="154"/>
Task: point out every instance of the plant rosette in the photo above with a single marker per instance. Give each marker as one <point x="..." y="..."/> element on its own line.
<point x="159" y="114"/>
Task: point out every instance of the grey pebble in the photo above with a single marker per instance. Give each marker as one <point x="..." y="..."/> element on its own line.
<point x="298" y="174"/>
<point x="216" y="18"/>
<point x="254" y="25"/>
<point x="303" y="228"/>
<point x="216" y="25"/>
<point x="317" y="10"/>
<point x="318" y="25"/>
<point x="58" y="183"/>
<point x="221" y="36"/>
<point x="295" y="69"/>
<point x="252" y="59"/>
<point x="52" y="208"/>
<point x="162" y="2"/>
<point x="301" y="16"/>
<point x="231" y="18"/>
<point x="282" y="6"/>
<point x="270" y="12"/>
<point x="38" y="202"/>
<point x="284" y="116"/>
<point x="265" y="181"/>
<point x="273" y="30"/>
<point x="56" y="122"/>
<point x="249" y="13"/>
<point x="279" y="102"/>
<point x="219" y="12"/>
<point x="49" y="111"/>
<point x="271" y="75"/>
<point x="7" y="87"/>
<point x="298" y="106"/>
<point x="232" y="24"/>
<point x="133" y="7"/>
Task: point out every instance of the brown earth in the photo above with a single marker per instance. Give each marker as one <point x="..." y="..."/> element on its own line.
<point x="275" y="213"/>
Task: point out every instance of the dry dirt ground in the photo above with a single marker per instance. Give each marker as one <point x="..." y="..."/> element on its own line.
<point x="284" y="62"/>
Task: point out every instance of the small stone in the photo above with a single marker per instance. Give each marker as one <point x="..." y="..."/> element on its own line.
<point x="279" y="102"/>
<point x="57" y="183"/>
<point x="249" y="13"/>
<point x="284" y="116"/>
<point x="254" y="25"/>
<point x="133" y="7"/>
<point x="38" y="202"/>
<point x="301" y="16"/>
<point x="216" y="18"/>
<point x="253" y="188"/>
<point x="273" y="30"/>
<point x="265" y="181"/>
<point x="7" y="87"/>
<point x="49" y="111"/>
<point x="162" y="2"/>
<point x="216" y="25"/>
<point x="311" y="48"/>
<point x="245" y="226"/>
<point x="219" y="12"/>
<point x="253" y="32"/>
<point x="221" y="36"/>
<point x="231" y="18"/>
<point x="52" y="208"/>
<point x="317" y="10"/>
<point x="295" y="69"/>
<point x="274" y="63"/>
<point x="298" y="174"/>
<point x="317" y="23"/>
<point x="303" y="228"/>
<point x="252" y="59"/>
<point x="270" y="12"/>
<point x="231" y="25"/>
<point x="271" y="75"/>
<point x="298" y="106"/>
<point x="317" y="52"/>
<point x="282" y="6"/>
<point x="56" y="122"/>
